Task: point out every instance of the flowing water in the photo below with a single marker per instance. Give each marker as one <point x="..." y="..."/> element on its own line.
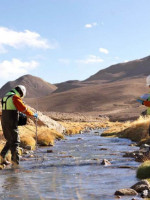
<point x="73" y="171"/>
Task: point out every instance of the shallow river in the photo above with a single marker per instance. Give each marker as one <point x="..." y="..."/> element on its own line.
<point x="72" y="171"/>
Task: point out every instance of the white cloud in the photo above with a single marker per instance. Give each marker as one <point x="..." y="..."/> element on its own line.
<point x="64" y="61"/>
<point x="125" y="61"/>
<point x="90" y="25"/>
<point x="9" y="37"/>
<point x="15" y="67"/>
<point x="91" y="59"/>
<point x="102" y="50"/>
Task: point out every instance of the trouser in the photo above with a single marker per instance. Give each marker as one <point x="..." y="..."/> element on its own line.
<point x="11" y="134"/>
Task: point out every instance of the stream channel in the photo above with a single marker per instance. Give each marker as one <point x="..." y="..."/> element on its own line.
<point x="73" y="170"/>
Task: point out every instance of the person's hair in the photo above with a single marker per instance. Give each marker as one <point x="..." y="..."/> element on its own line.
<point x="19" y="90"/>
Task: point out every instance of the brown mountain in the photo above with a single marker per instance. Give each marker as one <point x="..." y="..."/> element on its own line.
<point x="36" y="87"/>
<point x="112" y="92"/>
<point x="136" y="68"/>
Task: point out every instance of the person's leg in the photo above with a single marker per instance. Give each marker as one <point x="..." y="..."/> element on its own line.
<point x="5" y="150"/>
<point x="14" y="147"/>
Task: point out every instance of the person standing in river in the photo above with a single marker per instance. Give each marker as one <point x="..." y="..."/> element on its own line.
<point x="12" y="104"/>
<point x="147" y="101"/>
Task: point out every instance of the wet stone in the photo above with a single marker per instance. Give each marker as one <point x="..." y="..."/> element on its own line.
<point x="49" y="151"/>
<point x="95" y="159"/>
<point x="118" y="197"/>
<point x="28" y="147"/>
<point x="105" y="162"/>
<point x="129" y="154"/>
<point x="103" y="149"/>
<point x="145" y="194"/>
<point x="127" y="191"/>
<point x="31" y="156"/>
<point x="126" y="167"/>
<point x="141" y="186"/>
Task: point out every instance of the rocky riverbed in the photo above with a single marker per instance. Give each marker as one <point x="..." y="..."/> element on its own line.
<point x="84" y="166"/>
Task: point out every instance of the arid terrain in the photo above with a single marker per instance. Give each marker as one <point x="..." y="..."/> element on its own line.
<point x="111" y="92"/>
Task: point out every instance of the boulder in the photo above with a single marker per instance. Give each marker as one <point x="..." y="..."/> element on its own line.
<point x="141" y="186"/>
<point x="127" y="191"/>
<point x="44" y="120"/>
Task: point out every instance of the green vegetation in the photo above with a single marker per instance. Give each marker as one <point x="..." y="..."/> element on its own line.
<point x="143" y="171"/>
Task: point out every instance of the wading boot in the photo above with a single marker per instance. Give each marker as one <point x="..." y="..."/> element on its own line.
<point x="4" y="161"/>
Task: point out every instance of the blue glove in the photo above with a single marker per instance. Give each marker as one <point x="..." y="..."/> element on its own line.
<point x="35" y="115"/>
<point x="140" y="101"/>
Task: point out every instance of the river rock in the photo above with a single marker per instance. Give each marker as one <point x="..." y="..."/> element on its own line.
<point x="145" y="194"/>
<point x="49" y="151"/>
<point x="103" y="149"/>
<point x="118" y="197"/>
<point x="44" y="120"/>
<point x="141" y="186"/>
<point x="127" y="191"/>
<point x="105" y="162"/>
<point x="28" y="147"/>
<point x="129" y="154"/>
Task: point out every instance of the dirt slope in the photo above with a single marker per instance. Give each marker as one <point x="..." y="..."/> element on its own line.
<point x="136" y="68"/>
<point x="36" y="87"/>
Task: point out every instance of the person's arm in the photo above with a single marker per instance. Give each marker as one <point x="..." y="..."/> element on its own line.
<point x="146" y="103"/>
<point x="21" y="106"/>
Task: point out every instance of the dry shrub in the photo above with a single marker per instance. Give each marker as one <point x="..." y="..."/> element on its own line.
<point x="77" y="127"/>
<point x="136" y="130"/>
<point x="27" y="140"/>
<point x="27" y="130"/>
<point x="27" y="134"/>
<point x="47" y="136"/>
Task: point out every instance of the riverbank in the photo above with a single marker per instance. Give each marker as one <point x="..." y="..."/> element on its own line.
<point x="73" y="169"/>
<point x="137" y="131"/>
<point x="47" y="136"/>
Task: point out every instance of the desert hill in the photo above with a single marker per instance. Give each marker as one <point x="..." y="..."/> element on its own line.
<point x="116" y="100"/>
<point x="112" y="92"/>
<point x="36" y="87"/>
<point x="64" y="86"/>
<point x="136" y="68"/>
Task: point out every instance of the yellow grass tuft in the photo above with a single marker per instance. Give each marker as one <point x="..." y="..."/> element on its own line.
<point x="27" y="140"/>
<point x="77" y="127"/>
<point x="47" y="136"/>
<point x="136" y="130"/>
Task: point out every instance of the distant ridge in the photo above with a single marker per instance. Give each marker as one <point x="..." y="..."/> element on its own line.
<point x="36" y="87"/>
<point x="112" y="91"/>
<point x="135" y="68"/>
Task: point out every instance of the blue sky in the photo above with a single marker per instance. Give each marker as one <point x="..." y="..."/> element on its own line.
<point x="60" y="40"/>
